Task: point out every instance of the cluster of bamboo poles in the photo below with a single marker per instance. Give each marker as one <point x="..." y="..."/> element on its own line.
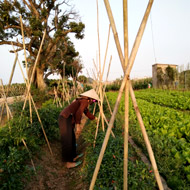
<point x="127" y="64"/>
<point x="28" y="82"/>
<point x="66" y="91"/>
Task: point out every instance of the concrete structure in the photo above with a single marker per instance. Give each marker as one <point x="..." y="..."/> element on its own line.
<point x="154" y="72"/>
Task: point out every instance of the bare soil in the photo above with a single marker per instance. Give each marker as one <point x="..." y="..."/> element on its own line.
<point x="51" y="172"/>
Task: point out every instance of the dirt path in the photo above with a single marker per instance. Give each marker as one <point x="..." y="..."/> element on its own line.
<point x="51" y="173"/>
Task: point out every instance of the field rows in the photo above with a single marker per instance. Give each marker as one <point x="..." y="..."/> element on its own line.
<point x="168" y="130"/>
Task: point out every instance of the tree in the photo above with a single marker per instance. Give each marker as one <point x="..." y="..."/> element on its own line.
<point x="160" y="77"/>
<point x="82" y="79"/>
<point x="170" y="76"/>
<point x="58" y="52"/>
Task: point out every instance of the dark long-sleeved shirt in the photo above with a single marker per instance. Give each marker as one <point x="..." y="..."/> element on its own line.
<point x="76" y="109"/>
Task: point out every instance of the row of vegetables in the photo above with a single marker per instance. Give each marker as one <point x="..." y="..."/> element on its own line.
<point x="174" y="99"/>
<point x="168" y="130"/>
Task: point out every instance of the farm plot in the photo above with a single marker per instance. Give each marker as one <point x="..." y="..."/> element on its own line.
<point x="168" y="131"/>
<point x="174" y="99"/>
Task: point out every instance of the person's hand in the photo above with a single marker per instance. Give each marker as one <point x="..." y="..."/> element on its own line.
<point x="96" y="119"/>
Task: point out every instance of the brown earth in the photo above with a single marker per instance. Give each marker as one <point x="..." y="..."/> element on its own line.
<point x="51" y="172"/>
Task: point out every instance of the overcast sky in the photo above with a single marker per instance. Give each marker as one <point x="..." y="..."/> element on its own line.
<point x="166" y="38"/>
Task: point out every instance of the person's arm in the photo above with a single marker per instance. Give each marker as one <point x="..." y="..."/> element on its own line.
<point x="88" y="114"/>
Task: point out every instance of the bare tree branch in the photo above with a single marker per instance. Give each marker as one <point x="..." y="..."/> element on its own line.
<point x="34" y="8"/>
<point x="10" y="43"/>
<point x="11" y="26"/>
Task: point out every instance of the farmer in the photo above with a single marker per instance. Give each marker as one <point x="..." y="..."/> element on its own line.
<point x="69" y="120"/>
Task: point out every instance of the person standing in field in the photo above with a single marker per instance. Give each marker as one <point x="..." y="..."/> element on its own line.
<point x="69" y="125"/>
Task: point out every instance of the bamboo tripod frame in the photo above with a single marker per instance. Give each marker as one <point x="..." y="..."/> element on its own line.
<point x="125" y="82"/>
<point x="100" y="89"/>
<point x="10" y="80"/>
<point x="28" y="85"/>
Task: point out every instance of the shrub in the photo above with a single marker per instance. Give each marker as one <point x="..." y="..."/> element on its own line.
<point x="13" y="154"/>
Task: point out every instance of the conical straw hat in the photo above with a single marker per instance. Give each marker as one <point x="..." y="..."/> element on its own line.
<point x="91" y="94"/>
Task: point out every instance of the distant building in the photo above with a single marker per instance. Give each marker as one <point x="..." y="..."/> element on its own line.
<point x="155" y="68"/>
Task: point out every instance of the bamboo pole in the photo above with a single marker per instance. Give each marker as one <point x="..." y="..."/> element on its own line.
<point x="103" y="98"/>
<point x="126" y="77"/>
<point x="30" y="155"/>
<point x="27" y="85"/>
<point x="100" y="79"/>
<point x="145" y="136"/>
<point x="26" y="63"/>
<point x="12" y="72"/>
<point x="96" y="133"/>
<point x="104" y="94"/>
<point x="24" y="47"/>
<point x="5" y="99"/>
<point x="106" y="52"/>
<point x="112" y="23"/>
<point x="10" y="80"/>
<point x="99" y="57"/>
<point x="34" y="68"/>
<point x="98" y="74"/>
<point x="2" y="112"/>
<point x="126" y="127"/>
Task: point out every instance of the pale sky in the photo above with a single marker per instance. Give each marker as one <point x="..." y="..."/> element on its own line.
<point x="170" y="31"/>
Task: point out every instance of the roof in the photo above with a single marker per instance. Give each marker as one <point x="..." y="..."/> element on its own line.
<point x="164" y="64"/>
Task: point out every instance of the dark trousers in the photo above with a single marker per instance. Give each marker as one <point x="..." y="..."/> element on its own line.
<point x="68" y="139"/>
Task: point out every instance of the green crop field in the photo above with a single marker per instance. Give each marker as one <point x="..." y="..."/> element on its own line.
<point x="166" y="118"/>
<point x="167" y="121"/>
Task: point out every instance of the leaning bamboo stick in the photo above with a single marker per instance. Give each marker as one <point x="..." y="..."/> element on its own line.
<point x="10" y="80"/>
<point x="5" y="99"/>
<point x="103" y="98"/>
<point x="100" y="79"/>
<point x="96" y="133"/>
<point x="2" y="112"/>
<point x="30" y="155"/>
<point x="126" y="127"/>
<point x="99" y="55"/>
<point x="145" y="136"/>
<point x="12" y="72"/>
<point x="94" y="109"/>
<point x="101" y="89"/>
<point x="24" y="47"/>
<point x="104" y="90"/>
<point x="112" y="23"/>
<point x="98" y="74"/>
<point x="27" y="85"/>
<point x="108" y="125"/>
<point x="106" y="51"/>
<point x="126" y="76"/>
<point x="26" y="63"/>
<point x="42" y="126"/>
<point x="34" y="68"/>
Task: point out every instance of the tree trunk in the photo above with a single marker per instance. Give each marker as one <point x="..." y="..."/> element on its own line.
<point x="40" y="79"/>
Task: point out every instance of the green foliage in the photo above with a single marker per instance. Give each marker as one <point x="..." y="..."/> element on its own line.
<point x="82" y="79"/>
<point x="137" y="84"/>
<point x="184" y="79"/>
<point x="57" y="20"/>
<point x="39" y="95"/>
<point x="87" y="87"/>
<point x="110" y="175"/>
<point x="166" y="76"/>
<point x="174" y="99"/>
<point x="168" y="132"/>
<point x="115" y="86"/>
<point x="14" y="90"/>
<point x="141" y="83"/>
<point x="13" y="154"/>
